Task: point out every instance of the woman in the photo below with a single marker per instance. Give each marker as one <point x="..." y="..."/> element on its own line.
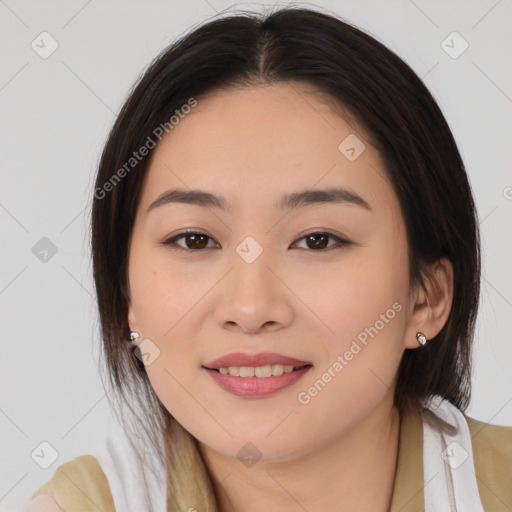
<point x="284" y="233"/>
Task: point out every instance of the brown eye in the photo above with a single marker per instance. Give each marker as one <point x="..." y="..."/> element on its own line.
<point x="194" y="241"/>
<point x="319" y="241"/>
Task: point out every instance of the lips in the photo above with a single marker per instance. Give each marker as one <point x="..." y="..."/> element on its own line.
<point x="255" y="387"/>
<point x="261" y="359"/>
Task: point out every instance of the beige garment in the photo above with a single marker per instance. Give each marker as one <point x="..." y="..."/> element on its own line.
<point x="492" y="455"/>
<point x="81" y="486"/>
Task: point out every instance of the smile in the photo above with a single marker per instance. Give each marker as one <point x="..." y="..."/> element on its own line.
<point x="261" y="372"/>
<point x="257" y="382"/>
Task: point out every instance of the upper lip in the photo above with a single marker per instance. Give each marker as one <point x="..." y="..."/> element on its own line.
<point x="261" y="359"/>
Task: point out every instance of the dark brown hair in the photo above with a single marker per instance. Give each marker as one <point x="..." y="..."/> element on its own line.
<point x="400" y="118"/>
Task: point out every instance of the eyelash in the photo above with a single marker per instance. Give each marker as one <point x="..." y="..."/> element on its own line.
<point x="171" y="242"/>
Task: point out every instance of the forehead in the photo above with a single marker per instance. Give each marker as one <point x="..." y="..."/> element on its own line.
<point x="255" y="144"/>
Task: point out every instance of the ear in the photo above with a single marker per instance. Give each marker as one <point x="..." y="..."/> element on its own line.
<point x="132" y="320"/>
<point x="432" y="303"/>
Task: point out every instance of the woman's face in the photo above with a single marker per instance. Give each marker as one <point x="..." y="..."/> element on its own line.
<point x="255" y="282"/>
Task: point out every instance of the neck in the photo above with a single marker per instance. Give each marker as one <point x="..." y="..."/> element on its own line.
<point x="354" y="472"/>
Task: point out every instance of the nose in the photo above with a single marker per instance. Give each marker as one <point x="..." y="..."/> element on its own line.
<point x="254" y="297"/>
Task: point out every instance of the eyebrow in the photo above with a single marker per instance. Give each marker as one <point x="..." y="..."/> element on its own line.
<point x="287" y="202"/>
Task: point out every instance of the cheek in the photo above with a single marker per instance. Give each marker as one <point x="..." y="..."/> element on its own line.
<point x="163" y="299"/>
<point x="161" y="293"/>
<point x="363" y="304"/>
<point x="354" y="293"/>
<point x="365" y="308"/>
<point x="166" y="299"/>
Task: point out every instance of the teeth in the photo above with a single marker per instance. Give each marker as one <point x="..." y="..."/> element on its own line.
<point x="263" y="371"/>
<point x="278" y="369"/>
<point x="257" y="371"/>
<point x="246" y="371"/>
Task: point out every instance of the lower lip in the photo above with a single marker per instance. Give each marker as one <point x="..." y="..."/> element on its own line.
<point x="257" y="387"/>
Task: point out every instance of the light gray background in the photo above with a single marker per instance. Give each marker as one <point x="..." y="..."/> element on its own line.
<point x="56" y="114"/>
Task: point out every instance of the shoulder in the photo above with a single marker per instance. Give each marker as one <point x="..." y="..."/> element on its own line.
<point x="79" y="484"/>
<point x="491" y="441"/>
<point x="492" y="455"/>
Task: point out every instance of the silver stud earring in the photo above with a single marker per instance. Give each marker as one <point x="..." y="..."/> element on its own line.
<point x="131" y="337"/>
<point x="422" y="339"/>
